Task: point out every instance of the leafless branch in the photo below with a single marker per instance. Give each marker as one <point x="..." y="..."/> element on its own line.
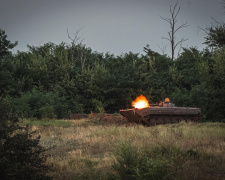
<point x="78" y="46"/>
<point x="76" y="38"/>
<point x="166" y="38"/>
<point x="180" y="42"/>
<point x="181" y="26"/>
<point x="163" y="48"/>
<point x="166" y="19"/>
<point x="217" y="22"/>
<point x="174" y="11"/>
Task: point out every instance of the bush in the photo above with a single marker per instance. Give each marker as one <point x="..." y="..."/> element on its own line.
<point x="37" y="104"/>
<point x="21" y="156"/>
<point x="156" y="163"/>
<point x="128" y="161"/>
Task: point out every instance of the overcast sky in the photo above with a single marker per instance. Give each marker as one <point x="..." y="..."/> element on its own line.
<point x="115" y="26"/>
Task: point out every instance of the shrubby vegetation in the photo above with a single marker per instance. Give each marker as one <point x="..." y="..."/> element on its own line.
<point x="52" y="81"/>
<point x="158" y="162"/>
<point x="21" y="156"/>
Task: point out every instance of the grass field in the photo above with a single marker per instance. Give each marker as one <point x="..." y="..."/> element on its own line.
<point x="87" y="148"/>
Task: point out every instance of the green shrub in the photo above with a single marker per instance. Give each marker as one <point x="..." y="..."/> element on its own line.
<point x="37" y="104"/>
<point x="21" y="156"/>
<point x="158" y="162"/>
<point x="127" y="164"/>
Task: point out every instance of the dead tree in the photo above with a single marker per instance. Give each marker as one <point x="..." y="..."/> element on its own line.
<point x="163" y="49"/>
<point x="77" y="45"/>
<point x="173" y="29"/>
<point x="76" y="39"/>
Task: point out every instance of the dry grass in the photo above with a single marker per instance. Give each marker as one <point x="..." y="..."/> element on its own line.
<point x="88" y="144"/>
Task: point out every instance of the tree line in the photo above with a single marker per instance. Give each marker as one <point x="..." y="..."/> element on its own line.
<point x="53" y="81"/>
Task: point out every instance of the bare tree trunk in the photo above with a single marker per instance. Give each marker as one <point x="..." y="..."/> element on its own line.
<point x="173" y="29"/>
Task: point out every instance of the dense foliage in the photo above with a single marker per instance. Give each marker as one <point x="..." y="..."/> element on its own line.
<point x="52" y="81"/>
<point x="215" y="35"/>
<point x="156" y="163"/>
<point x="21" y="156"/>
<point x="160" y="162"/>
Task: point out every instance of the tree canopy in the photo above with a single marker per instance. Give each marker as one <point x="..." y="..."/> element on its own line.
<point x="53" y="81"/>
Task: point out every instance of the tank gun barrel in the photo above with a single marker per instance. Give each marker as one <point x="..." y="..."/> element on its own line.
<point x="153" y="105"/>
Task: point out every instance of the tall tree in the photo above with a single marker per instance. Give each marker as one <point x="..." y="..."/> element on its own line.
<point x="215" y="35"/>
<point x="7" y="82"/>
<point x="5" y="45"/>
<point x="174" y="11"/>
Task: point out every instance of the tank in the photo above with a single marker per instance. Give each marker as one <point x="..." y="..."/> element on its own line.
<point x="162" y="113"/>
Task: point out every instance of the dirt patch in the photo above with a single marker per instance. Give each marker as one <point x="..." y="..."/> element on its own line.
<point x="113" y="119"/>
<point x="106" y="118"/>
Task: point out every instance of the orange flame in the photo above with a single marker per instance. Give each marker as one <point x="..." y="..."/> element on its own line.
<point x="140" y="102"/>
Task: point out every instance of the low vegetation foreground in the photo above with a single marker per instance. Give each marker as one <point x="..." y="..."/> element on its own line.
<point x="91" y="148"/>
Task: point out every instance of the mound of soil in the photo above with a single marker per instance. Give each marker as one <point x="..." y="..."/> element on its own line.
<point x="105" y="118"/>
<point x="115" y="119"/>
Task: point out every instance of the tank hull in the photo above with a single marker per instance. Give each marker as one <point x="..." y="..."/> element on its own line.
<point x="161" y="115"/>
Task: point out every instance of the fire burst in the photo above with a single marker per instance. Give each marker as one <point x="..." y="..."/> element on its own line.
<point x="140" y="102"/>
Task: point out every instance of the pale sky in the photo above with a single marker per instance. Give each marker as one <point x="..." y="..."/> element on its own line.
<point x="114" y="26"/>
